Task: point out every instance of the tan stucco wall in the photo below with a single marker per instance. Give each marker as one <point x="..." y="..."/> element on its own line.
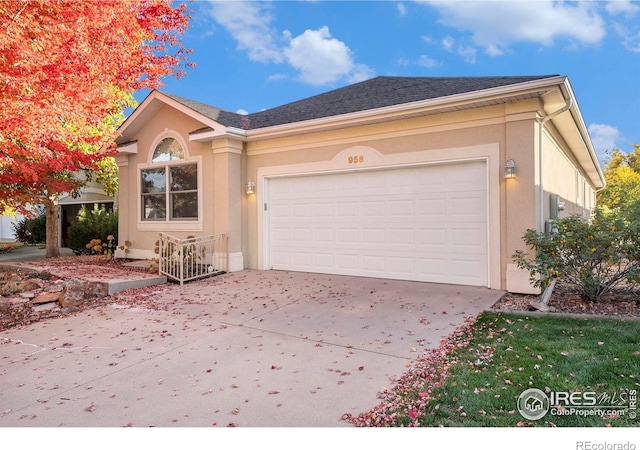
<point x="562" y="176"/>
<point x="167" y="122"/>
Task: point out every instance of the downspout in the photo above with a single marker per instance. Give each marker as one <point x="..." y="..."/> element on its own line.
<point x="542" y="122"/>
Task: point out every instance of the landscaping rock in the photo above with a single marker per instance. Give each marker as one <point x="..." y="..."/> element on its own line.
<point x="95" y="289"/>
<point x="56" y="287"/>
<point x="31" y="284"/>
<point x="27" y="295"/>
<point x="46" y="307"/>
<point x="77" y="292"/>
<point x="47" y="297"/>
<point x="74" y="293"/>
<point x="9" y="288"/>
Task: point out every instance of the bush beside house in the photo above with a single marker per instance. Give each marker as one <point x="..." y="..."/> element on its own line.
<point x="97" y="224"/>
<point x="595" y="257"/>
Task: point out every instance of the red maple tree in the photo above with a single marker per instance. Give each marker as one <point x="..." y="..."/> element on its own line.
<point x="68" y="69"/>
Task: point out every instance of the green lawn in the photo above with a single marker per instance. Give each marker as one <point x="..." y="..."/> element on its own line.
<point x="478" y="381"/>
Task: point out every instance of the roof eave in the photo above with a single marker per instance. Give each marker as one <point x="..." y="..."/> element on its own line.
<point x="577" y="136"/>
<point x="402" y="110"/>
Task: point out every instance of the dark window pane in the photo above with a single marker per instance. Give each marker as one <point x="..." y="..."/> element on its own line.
<point x="167" y="150"/>
<point x="184" y="178"/>
<point x="184" y="206"/>
<point x="154" y="206"/>
<point x="153" y="180"/>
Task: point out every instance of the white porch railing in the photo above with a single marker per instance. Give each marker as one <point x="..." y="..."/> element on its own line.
<point x="193" y="258"/>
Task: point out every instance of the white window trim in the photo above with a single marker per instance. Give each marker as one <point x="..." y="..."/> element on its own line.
<point x="167" y="224"/>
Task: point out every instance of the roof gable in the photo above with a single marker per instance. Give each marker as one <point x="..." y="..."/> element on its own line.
<point x="210" y="117"/>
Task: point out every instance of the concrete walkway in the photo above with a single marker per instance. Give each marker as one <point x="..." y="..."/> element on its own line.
<point x="252" y="348"/>
<point x="29" y="253"/>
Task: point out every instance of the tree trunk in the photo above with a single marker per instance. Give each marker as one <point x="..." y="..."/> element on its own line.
<point x="53" y="250"/>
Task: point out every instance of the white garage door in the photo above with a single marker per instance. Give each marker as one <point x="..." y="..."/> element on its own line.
<point x="425" y="223"/>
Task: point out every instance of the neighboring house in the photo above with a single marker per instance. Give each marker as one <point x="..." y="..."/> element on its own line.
<point x="69" y="207"/>
<point x="92" y="193"/>
<point x="7" y="223"/>
<point x="393" y="177"/>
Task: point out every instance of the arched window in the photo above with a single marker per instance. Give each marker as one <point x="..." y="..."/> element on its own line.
<point x="169" y="149"/>
<point x="169" y="188"/>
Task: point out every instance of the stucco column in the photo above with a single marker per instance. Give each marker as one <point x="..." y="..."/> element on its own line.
<point x="521" y="204"/>
<point x="227" y="196"/>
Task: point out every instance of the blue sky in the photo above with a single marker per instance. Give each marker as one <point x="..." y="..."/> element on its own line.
<point x="256" y="55"/>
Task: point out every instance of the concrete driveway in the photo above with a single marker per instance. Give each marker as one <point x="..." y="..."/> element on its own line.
<point x="253" y="348"/>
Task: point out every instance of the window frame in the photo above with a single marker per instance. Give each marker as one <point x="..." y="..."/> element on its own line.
<point x="169" y="223"/>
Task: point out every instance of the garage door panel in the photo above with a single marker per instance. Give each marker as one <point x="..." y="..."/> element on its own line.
<point x="374" y="264"/>
<point x="347" y="262"/>
<point x="348" y="209"/>
<point x="420" y="223"/>
<point x="321" y="235"/>
<point x="373" y="208"/>
<point x="375" y="236"/>
<point x="324" y="261"/>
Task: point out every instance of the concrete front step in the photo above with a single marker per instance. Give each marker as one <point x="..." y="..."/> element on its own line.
<point x="122" y="285"/>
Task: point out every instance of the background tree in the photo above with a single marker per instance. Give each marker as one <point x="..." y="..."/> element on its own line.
<point x="622" y="192"/>
<point x="68" y="69"/>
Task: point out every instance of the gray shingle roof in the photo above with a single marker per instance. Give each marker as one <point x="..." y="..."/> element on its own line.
<point x="375" y="93"/>
<point x="226" y="118"/>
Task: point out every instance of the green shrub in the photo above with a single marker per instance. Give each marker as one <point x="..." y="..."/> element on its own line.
<point x="97" y="223"/>
<point x="31" y="231"/>
<point x="38" y="229"/>
<point x="594" y="257"/>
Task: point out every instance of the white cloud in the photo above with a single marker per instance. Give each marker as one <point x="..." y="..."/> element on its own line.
<point x="242" y="112"/>
<point x="604" y="138"/>
<point x="495" y="25"/>
<point x="322" y="59"/>
<point x="277" y="76"/>
<point x="630" y="38"/>
<point x="318" y="57"/>
<point x="425" y="61"/>
<point x="402" y="9"/>
<point x="447" y="43"/>
<point x="250" y="24"/>
<point x="468" y="53"/>
<point x="626" y="7"/>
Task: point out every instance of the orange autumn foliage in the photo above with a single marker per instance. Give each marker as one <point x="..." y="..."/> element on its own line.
<point x="67" y="71"/>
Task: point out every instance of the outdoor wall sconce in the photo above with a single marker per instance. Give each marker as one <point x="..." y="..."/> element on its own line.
<point x="250" y="188"/>
<point x="510" y="169"/>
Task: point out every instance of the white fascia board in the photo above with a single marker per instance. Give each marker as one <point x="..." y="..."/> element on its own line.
<point x="589" y="154"/>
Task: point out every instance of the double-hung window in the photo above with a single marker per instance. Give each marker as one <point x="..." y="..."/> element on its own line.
<point x="169" y="188"/>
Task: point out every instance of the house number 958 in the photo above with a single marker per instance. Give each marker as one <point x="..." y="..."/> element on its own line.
<point x="356" y="159"/>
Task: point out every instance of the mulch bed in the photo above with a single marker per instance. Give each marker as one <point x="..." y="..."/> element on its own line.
<point x="565" y="299"/>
